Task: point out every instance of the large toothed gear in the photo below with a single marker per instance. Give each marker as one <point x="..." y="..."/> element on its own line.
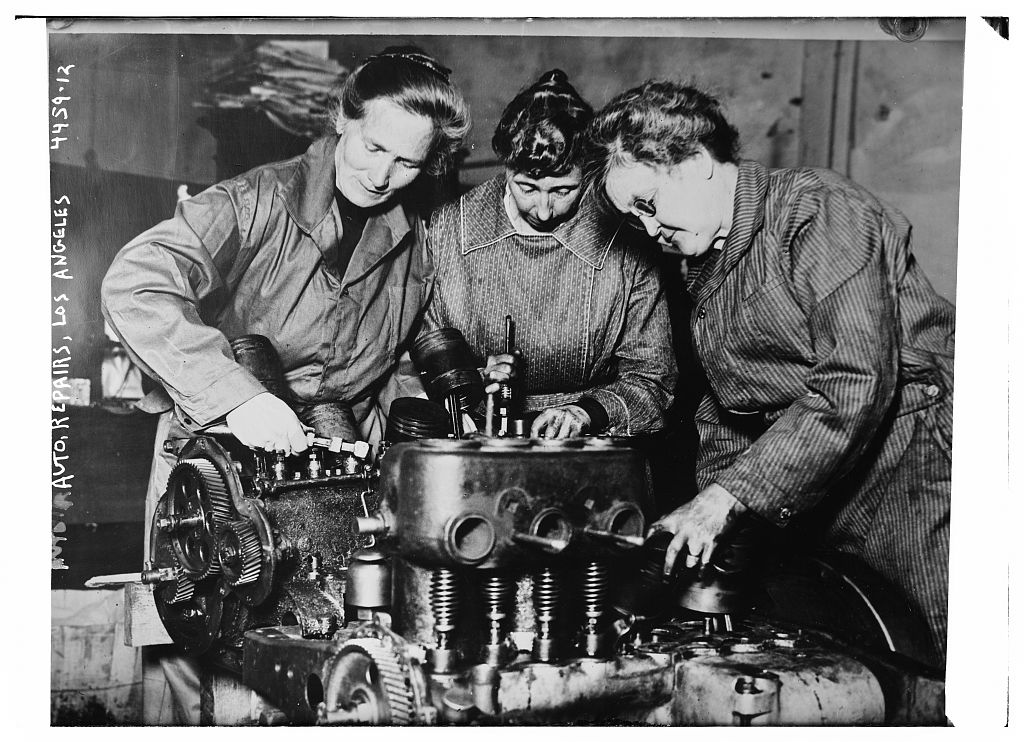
<point x="198" y="501"/>
<point x="216" y="489"/>
<point x="240" y="551"/>
<point x="369" y="684"/>
<point x="392" y="679"/>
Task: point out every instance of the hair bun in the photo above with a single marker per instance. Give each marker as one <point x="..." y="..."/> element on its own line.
<point x="552" y="77"/>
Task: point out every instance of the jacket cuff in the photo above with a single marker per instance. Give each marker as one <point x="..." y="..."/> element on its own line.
<point x="775" y="505"/>
<point x="598" y="414"/>
<point x="615" y="409"/>
<point x="218" y="399"/>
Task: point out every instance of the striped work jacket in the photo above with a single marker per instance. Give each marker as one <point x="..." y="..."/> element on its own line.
<point x="811" y="323"/>
<point x="829" y="362"/>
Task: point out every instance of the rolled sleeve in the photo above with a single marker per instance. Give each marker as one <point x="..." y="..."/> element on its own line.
<point x="152" y="295"/>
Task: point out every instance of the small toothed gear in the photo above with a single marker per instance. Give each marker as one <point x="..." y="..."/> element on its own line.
<point x="184" y="587"/>
<point x="393" y="680"/>
<point x="240" y="552"/>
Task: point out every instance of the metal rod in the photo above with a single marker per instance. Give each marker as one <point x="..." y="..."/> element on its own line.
<point x="489" y="417"/>
<point x="619" y="538"/>
<point x="266" y="487"/>
<point x="553" y="545"/>
<point x="146" y="577"/>
<point x="451" y="403"/>
<point x="510" y="335"/>
<point x="505" y="390"/>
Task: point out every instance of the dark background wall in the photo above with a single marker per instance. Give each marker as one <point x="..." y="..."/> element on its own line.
<point x="884" y="112"/>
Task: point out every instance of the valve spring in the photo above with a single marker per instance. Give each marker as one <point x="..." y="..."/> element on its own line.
<point x="546" y="591"/>
<point x="595" y="587"/>
<point x="444" y="599"/>
<point x="497" y="591"/>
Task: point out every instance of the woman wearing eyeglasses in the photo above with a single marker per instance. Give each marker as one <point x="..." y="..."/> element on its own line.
<point x="828" y="355"/>
<point x="591" y="320"/>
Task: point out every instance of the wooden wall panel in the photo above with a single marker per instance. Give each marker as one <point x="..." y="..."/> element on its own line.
<point x="905" y="143"/>
<point x="133" y="110"/>
<point x="758" y="80"/>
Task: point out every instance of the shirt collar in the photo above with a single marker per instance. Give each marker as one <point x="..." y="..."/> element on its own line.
<point x="587" y="235"/>
<point x="309" y="193"/>
<point x="747" y="221"/>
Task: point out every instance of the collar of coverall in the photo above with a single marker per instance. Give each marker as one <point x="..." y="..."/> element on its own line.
<point x="309" y="194"/>
<point x="705" y="274"/>
<point x="587" y="235"/>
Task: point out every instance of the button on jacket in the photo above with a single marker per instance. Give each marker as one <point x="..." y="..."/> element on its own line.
<point x="257" y="254"/>
<point x="589" y="307"/>
<point x="829" y="359"/>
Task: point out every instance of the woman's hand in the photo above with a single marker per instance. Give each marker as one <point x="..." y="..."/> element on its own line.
<point x="697" y="526"/>
<point x="567" y="421"/>
<point x="266" y="422"/>
<point x="500" y="369"/>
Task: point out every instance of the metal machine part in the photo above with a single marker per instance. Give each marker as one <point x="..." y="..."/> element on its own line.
<point x="236" y="538"/>
<point x="449" y="372"/>
<point x="412" y="418"/>
<point x="501" y="418"/>
<point x="507" y="581"/>
<point x="493" y="503"/>
<point x="479" y="514"/>
<point x="673" y="674"/>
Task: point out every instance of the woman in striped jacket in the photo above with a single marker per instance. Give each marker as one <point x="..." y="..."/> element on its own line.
<point x="828" y="354"/>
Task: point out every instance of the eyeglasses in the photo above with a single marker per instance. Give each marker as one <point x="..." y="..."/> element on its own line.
<point x="641" y="207"/>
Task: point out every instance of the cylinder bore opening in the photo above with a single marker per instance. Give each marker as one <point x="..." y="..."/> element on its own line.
<point x="627" y="522"/>
<point x="471" y="538"/>
<point x="314" y="691"/>
<point x="552" y="524"/>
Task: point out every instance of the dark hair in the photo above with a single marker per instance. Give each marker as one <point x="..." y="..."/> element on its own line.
<point x="541" y="131"/>
<point x="419" y="84"/>
<point x="658" y="123"/>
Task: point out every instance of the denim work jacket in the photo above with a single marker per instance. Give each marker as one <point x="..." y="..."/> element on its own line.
<point x="257" y="254"/>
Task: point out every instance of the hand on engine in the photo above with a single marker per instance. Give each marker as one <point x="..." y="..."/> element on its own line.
<point x="266" y="422"/>
<point x="500" y="368"/>
<point x="567" y="421"/>
<point x="697" y="526"/>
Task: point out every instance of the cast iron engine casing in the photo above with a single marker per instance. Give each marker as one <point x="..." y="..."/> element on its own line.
<point x="307" y="533"/>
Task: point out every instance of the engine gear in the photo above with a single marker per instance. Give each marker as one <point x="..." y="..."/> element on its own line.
<point x="368" y="683"/>
<point x="198" y="502"/>
<point x="184" y="587"/>
<point x="240" y="552"/>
